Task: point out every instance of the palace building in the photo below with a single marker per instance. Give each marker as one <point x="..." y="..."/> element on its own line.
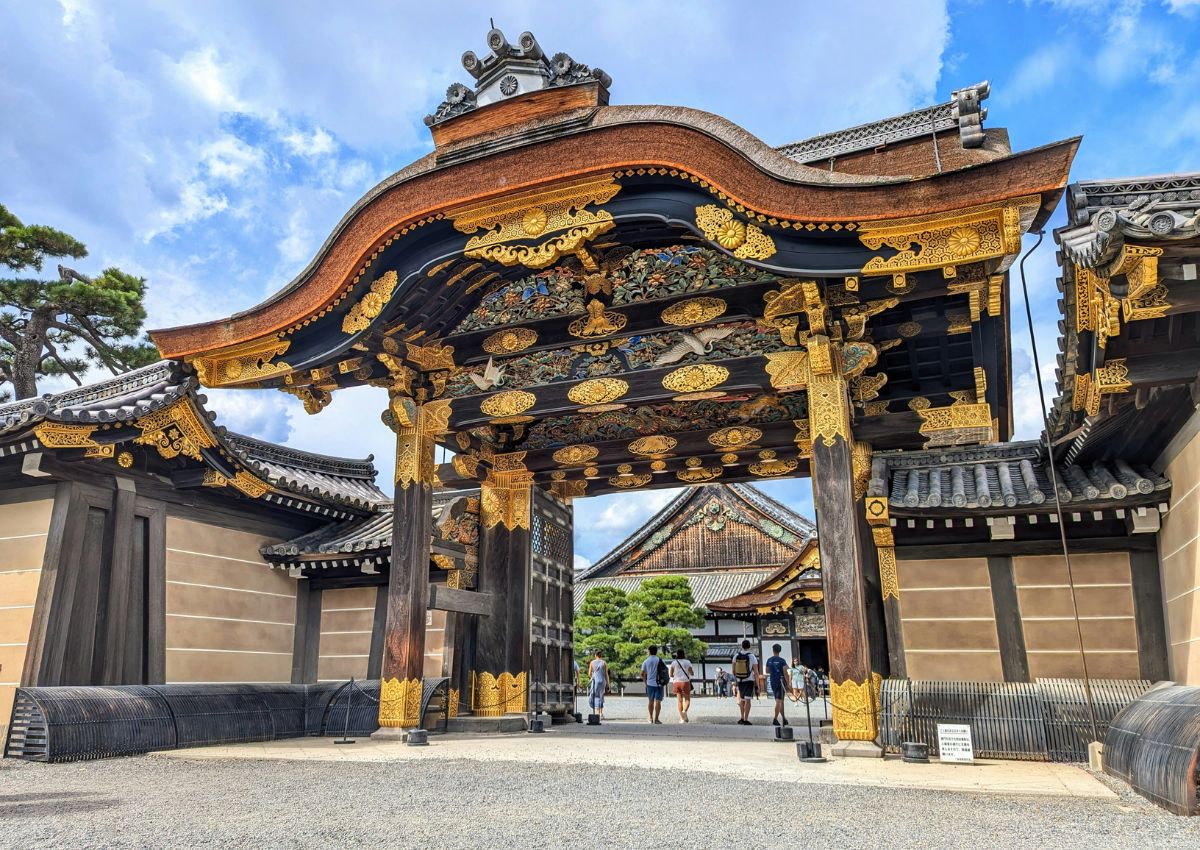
<point x="578" y="298"/>
<point x="752" y="565"/>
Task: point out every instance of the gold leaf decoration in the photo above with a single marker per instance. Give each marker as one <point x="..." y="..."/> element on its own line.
<point x="695" y="378"/>
<point x="496" y="696"/>
<point x="597" y="322"/>
<point x="734" y="437"/>
<point x="559" y="212"/>
<point x="370" y="305"/>
<point x="694" y="311"/>
<point x="575" y="455"/>
<point x="788" y="370"/>
<point x="598" y="391"/>
<point x="510" y="341"/>
<point x="977" y="233"/>
<point x="508" y="403"/>
<point x="769" y="465"/>
<point x="655" y="444"/>
<point x="744" y="241"/>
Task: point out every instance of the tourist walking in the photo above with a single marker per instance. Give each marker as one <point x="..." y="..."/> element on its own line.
<point x="654" y="674"/>
<point x="747" y="675"/>
<point x="681" y="680"/>
<point x="722" y="684"/>
<point x="799" y="676"/>
<point x="597" y="683"/>
<point x="777" y="670"/>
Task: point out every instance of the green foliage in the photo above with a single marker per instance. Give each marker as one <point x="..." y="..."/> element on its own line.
<point x="67" y="325"/>
<point x="598" y="625"/>
<point x="660" y="613"/>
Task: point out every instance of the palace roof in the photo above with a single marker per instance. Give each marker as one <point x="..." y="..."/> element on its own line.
<point x="1005" y="476"/>
<point x="1129" y="339"/>
<point x="711" y="527"/>
<point x="115" y="412"/>
<point x="964" y="112"/>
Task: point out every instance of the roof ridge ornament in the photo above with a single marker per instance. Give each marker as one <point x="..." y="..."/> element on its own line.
<point x="508" y="71"/>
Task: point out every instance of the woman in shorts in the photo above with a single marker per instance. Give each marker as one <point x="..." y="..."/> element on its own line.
<point x="681" y="681"/>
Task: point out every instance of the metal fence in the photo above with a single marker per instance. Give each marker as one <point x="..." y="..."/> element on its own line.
<point x="1154" y="745"/>
<point x="1045" y="720"/>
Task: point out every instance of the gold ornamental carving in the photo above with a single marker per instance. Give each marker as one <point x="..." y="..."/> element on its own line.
<point x="400" y="703"/>
<point x="856" y="708"/>
<point x="175" y="430"/>
<point x="597" y="322"/>
<point x="956" y="425"/>
<point x="370" y="305"/>
<point x="1112" y="377"/>
<point x="504" y="495"/>
<point x="768" y="464"/>
<point x="417" y="426"/>
<point x="744" y="241"/>
<point x="598" y="391"/>
<point x="888" y="581"/>
<point x="125" y="460"/>
<point x="496" y="696"/>
<point x="508" y="403"/>
<point x="697" y="473"/>
<point x="575" y="455"/>
<point x="694" y="311"/>
<point x="788" y="370"/>
<point x="735" y="437"/>
<point x="510" y="341"/>
<point x="695" y="378"/>
<point x="983" y="232"/>
<point x="828" y="409"/>
<point x="655" y="444"/>
<point x="558" y="216"/>
<point x="246" y="363"/>
<point x="103" y="450"/>
<point x="568" y="489"/>
<point x="53" y="435"/>
<point x="627" y="479"/>
<point x="860" y="462"/>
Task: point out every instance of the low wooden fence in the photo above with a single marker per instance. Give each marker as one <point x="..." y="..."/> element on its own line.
<point x="1046" y="720"/>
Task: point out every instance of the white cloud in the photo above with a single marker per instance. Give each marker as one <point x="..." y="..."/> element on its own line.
<point x="265" y="415"/>
<point x="581" y="563"/>
<point x="203" y="74"/>
<point x="317" y="143"/>
<point x="230" y="159"/>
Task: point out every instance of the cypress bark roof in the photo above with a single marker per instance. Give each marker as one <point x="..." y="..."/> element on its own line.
<point x="711" y="527"/>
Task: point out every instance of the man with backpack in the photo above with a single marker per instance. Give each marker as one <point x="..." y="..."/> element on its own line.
<point x="656" y="676"/>
<point x="747" y="674"/>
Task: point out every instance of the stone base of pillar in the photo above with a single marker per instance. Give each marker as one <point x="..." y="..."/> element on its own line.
<point x="856" y="749"/>
<point x="389" y="733"/>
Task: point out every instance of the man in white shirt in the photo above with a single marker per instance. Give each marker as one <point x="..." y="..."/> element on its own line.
<point x="651" y="675"/>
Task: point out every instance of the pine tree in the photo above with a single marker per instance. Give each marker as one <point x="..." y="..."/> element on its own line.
<point x="661" y="613"/>
<point x="598" y="625"/>
<point x="67" y="325"/>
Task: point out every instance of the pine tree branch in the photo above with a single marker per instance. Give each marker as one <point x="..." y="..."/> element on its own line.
<point x="53" y="352"/>
<point x="103" y="352"/>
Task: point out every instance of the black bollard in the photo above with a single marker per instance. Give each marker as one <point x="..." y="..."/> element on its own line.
<point x="417" y="738"/>
<point x="811" y="752"/>
<point x="346" y="728"/>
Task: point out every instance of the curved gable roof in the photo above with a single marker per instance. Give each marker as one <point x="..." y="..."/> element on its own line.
<point x="775" y="522"/>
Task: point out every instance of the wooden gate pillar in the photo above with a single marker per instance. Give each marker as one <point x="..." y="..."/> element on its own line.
<point x="501" y="663"/>
<point x="416" y="425"/>
<point x="853" y="685"/>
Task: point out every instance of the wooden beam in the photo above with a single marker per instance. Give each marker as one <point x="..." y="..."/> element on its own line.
<point x="1009" y="629"/>
<point x="1148" y="615"/>
<point x="306" y="642"/>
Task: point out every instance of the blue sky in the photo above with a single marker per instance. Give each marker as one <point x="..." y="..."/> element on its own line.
<point x="211" y="147"/>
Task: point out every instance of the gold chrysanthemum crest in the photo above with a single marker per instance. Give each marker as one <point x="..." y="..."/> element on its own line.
<point x="695" y="378"/>
<point x="508" y="403"/>
<point x="598" y="391"/>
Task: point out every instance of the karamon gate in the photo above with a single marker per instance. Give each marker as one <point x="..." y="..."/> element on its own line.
<point x="579" y="298"/>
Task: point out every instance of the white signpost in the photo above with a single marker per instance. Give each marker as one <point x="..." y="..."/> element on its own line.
<point x="954" y="743"/>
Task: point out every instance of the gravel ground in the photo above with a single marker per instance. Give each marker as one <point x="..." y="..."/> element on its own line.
<point x="160" y="802"/>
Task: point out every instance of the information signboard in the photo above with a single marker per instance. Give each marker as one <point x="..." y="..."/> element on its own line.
<point x="954" y="743"/>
